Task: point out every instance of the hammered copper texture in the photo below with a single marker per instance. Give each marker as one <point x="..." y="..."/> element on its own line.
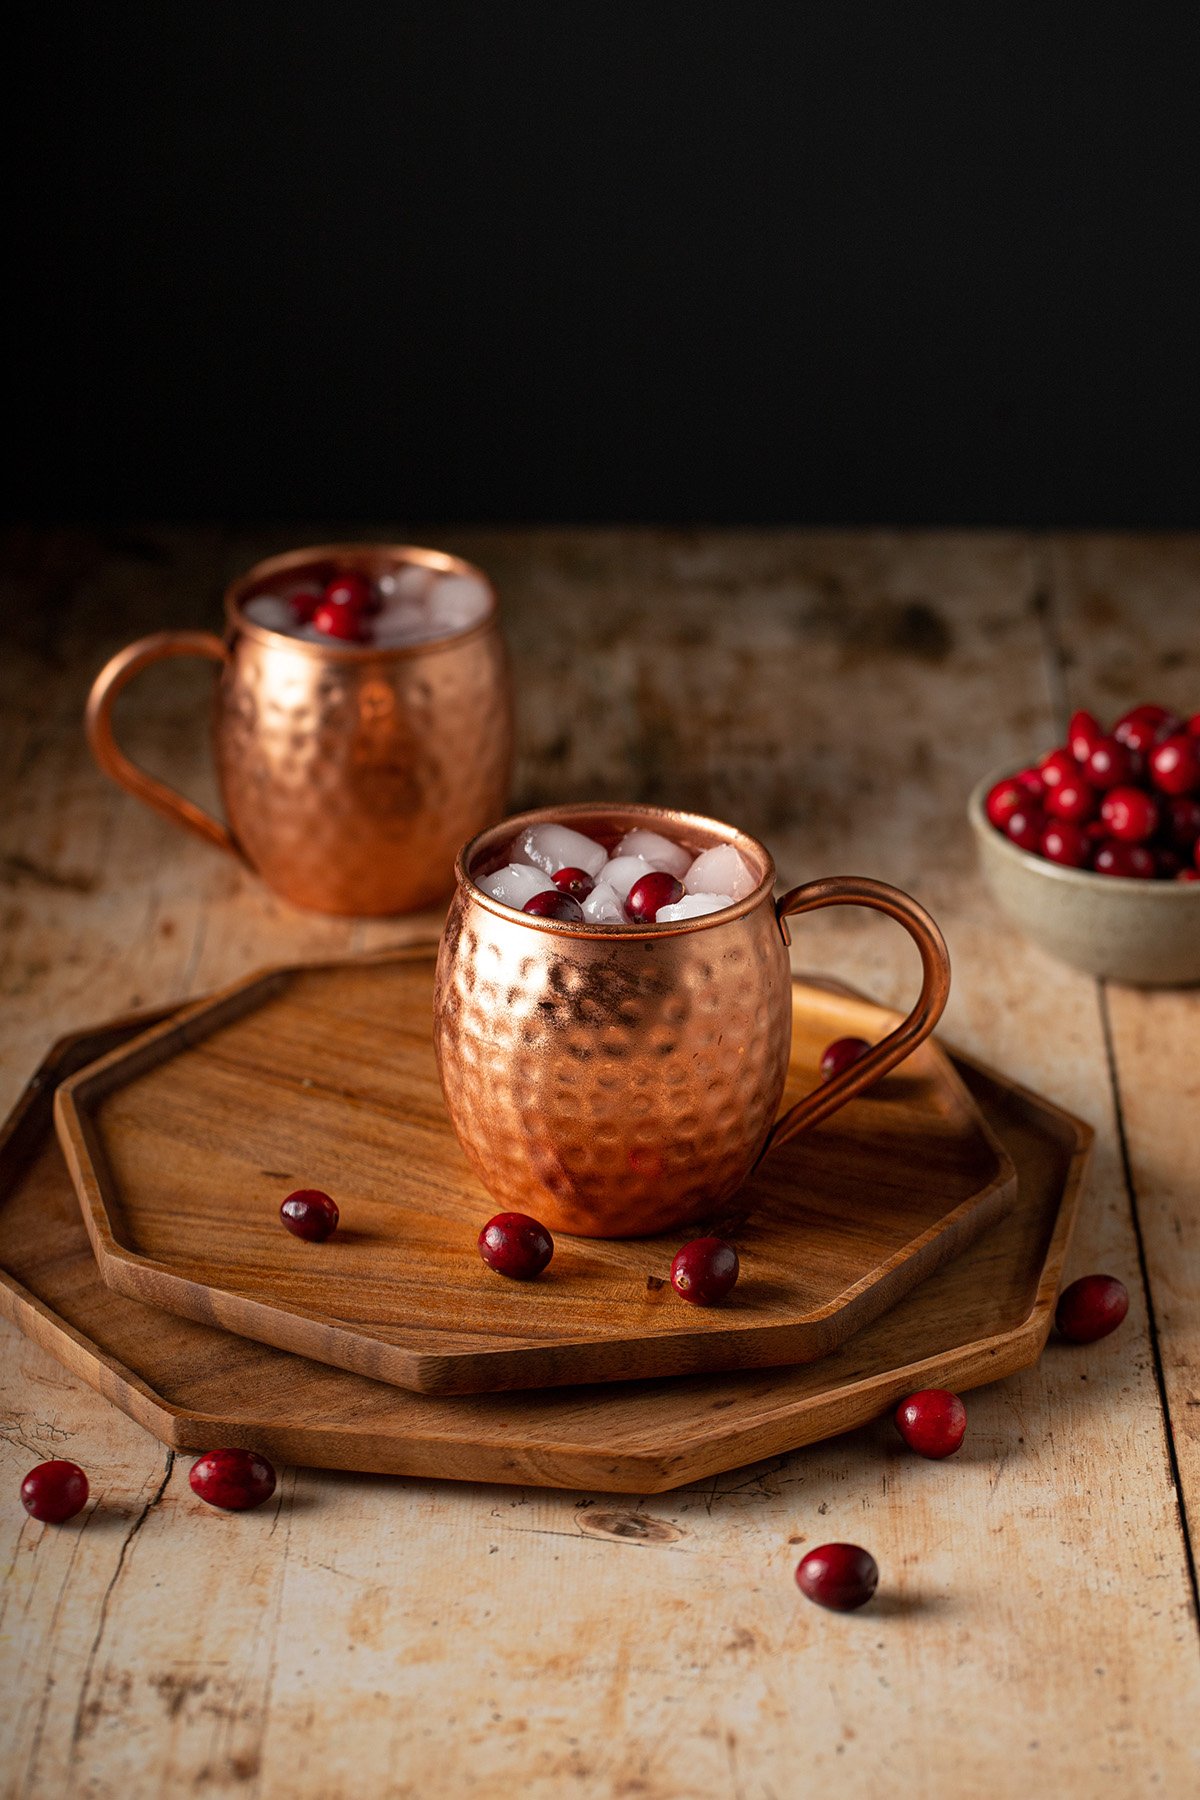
<point x="349" y="776"/>
<point x="619" y="1082"/>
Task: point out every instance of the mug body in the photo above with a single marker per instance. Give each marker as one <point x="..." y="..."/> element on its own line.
<point x="612" y="1082"/>
<point x="351" y="775"/>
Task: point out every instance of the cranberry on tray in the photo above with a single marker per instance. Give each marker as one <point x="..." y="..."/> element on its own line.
<point x="310" y="1214"/>
<point x="705" y="1270"/>
<point x="515" y="1245"/>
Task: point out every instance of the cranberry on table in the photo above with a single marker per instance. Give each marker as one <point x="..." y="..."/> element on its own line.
<point x="1109" y="764"/>
<point x="1130" y="861"/>
<point x="843" y="1053"/>
<point x="344" y="622"/>
<point x="54" y="1492"/>
<point x="1091" y="1307"/>
<point x="234" y="1480"/>
<point x="1058" y="766"/>
<point x="1083" y="734"/>
<point x="841" y="1577"/>
<point x="352" y="590"/>
<point x="1025" y="827"/>
<point x="576" y="882"/>
<point x="649" y="893"/>
<point x="1066" y="844"/>
<point x="1129" y="814"/>
<point x="550" y="904"/>
<point x="1072" y="800"/>
<point x="705" y="1270"/>
<point x="515" y="1245"/>
<point x="932" y="1422"/>
<point x="1006" y="798"/>
<point x="310" y="1214"/>
<point x="1175" y="764"/>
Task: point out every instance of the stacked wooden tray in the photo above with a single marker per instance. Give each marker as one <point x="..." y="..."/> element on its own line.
<point x="151" y="1260"/>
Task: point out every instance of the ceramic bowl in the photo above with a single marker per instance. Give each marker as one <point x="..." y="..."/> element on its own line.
<point x="1146" y="933"/>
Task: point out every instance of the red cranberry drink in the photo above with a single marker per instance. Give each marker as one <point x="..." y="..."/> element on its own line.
<point x="412" y="604"/>
<point x="638" y="878"/>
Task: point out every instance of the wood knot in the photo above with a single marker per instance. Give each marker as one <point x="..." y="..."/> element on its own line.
<point x="629" y="1527"/>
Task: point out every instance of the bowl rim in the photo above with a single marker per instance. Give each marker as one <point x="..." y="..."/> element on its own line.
<point x="1132" y="884"/>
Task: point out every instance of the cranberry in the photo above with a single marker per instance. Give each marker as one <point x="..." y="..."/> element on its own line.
<point x="304" y="605"/>
<point x="1142" y="726"/>
<point x="843" y="1053"/>
<point x="1181" y="820"/>
<point x="1175" y="764"/>
<point x="839" y="1576"/>
<point x="1167" y="864"/>
<point x="1188" y="875"/>
<point x="552" y="905"/>
<point x="54" y="1492"/>
<point x="310" y="1214"/>
<point x="1109" y="765"/>
<point x="1031" y="781"/>
<point x="1129" y="814"/>
<point x="1133" y="861"/>
<point x="1025" y="828"/>
<point x="1193" y="726"/>
<point x="515" y="1245"/>
<point x="1006" y="798"/>
<point x="705" y="1270"/>
<point x="932" y="1422"/>
<point x="1091" y="1307"/>
<point x="1058" y="766"/>
<point x="339" y="622"/>
<point x="234" y="1480"/>
<point x="650" y="893"/>
<point x="1072" y="800"/>
<point x="351" y="590"/>
<point x="1083" y="734"/>
<point x="1066" y="844"/>
<point x="576" y="882"/>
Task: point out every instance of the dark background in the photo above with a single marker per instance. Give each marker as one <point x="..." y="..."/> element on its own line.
<point x="825" y="262"/>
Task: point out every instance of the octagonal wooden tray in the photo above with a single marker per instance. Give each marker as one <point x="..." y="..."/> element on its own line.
<point x="184" y="1143"/>
<point x="196" y="1387"/>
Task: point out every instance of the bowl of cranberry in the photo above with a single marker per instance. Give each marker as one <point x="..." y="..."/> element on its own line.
<point x="1095" y="850"/>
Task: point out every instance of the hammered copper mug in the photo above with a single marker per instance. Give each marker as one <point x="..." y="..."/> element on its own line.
<point x="618" y="1081"/>
<point x="349" y="774"/>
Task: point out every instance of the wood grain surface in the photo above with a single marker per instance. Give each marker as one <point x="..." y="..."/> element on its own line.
<point x="1035" y="1631"/>
<point x="183" y="1143"/>
<point x="194" y="1385"/>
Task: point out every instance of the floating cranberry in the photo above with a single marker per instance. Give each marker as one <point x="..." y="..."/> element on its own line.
<point x="1058" y="766"/>
<point x="351" y="590"/>
<point x="550" y="904"/>
<point x="650" y="893"/>
<point x="1083" y="734"/>
<point x="843" y="1053"/>
<point x="343" y="622"/>
<point x="1091" y="1307"/>
<point x="1131" y="861"/>
<point x="839" y="1576"/>
<point x="1031" y="781"/>
<point x="1130" y="815"/>
<point x="576" y="882"/>
<point x="1025" y="828"/>
<point x="1109" y="765"/>
<point x="515" y="1245"/>
<point x="234" y="1480"/>
<point x="1175" y="764"/>
<point x="1006" y="798"/>
<point x="304" y="605"/>
<point x="1181" y="821"/>
<point x="1068" y="845"/>
<point x="705" y="1270"/>
<point x="932" y="1422"/>
<point x="54" y="1492"/>
<point x="310" y="1214"/>
<point x="1072" y="800"/>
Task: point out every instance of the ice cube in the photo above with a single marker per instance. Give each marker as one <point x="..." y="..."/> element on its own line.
<point x="692" y="906"/>
<point x="271" y="611"/>
<point x="657" y="850"/>
<point x="555" y="847"/>
<point x="515" y="884"/>
<point x="456" y="602"/>
<point x="410" y="582"/>
<point x="622" y="872"/>
<point x="721" y="870"/>
<point x="603" y="906"/>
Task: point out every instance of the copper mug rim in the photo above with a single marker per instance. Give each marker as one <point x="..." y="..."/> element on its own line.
<point x="373" y="559"/>
<point x="567" y="813"/>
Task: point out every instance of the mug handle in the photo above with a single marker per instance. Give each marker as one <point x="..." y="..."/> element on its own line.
<point x="114" y="676"/>
<point x="859" y="890"/>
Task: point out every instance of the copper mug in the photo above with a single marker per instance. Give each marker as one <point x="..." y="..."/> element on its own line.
<point x="620" y="1081"/>
<point x="349" y="775"/>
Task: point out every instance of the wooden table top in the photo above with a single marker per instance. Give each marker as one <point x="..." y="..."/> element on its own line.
<point x="1036" y="1628"/>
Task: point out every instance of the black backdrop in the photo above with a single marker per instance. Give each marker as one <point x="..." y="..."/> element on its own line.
<point x="831" y="262"/>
